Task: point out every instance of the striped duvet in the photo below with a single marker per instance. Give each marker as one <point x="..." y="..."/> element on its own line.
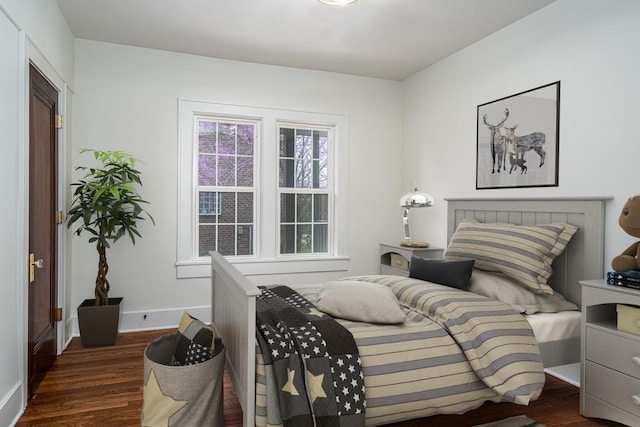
<point x="455" y="351"/>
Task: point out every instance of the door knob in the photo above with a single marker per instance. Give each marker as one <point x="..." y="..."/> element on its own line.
<point x="33" y="264"/>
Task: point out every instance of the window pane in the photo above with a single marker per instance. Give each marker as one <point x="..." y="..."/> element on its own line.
<point x="287" y="208"/>
<point x="208" y="207"/>
<point x="226" y="171"/>
<point x="287" y="239"/>
<point x="226" y="239"/>
<point x="245" y="239"/>
<point x="228" y="208"/>
<point x="245" y="171"/>
<point x="304" y="239"/>
<point x="303" y="173"/>
<point x="304" y="208"/>
<point x="206" y="239"/>
<point x="304" y="143"/>
<point x="320" y="208"/>
<point x="245" y="208"/>
<point x="206" y="137"/>
<point x="320" y="238"/>
<point x="246" y="137"/>
<point x="287" y="172"/>
<point x="287" y="142"/>
<point x="206" y="169"/>
<point x="227" y="138"/>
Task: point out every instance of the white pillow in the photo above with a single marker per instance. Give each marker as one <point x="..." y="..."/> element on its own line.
<point x="502" y="288"/>
<point x="360" y="301"/>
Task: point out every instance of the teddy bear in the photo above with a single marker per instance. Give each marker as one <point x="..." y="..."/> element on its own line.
<point x="630" y="222"/>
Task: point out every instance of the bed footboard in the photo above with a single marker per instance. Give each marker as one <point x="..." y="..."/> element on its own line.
<point x="233" y="315"/>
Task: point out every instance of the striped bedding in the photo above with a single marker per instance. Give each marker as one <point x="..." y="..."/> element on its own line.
<point x="455" y="351"/>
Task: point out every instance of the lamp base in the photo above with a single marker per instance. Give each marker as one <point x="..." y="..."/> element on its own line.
<point x="412" y="244"/>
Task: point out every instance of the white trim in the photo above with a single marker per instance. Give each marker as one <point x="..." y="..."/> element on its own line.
<point x="46" y="69"/>
<point x="22" y="234"/>
<point x="134" y="321"/>
<point x="266" y="259"/>
<point x="11" y="405"/>
<point x="254" y="267"/>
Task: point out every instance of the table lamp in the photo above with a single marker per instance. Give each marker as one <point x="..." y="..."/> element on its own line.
<point x="413" y="199"/>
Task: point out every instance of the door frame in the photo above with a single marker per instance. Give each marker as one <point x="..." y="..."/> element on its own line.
<point x="33" y="56"/>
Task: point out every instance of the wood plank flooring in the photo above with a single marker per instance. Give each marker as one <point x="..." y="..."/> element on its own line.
<point x="102" y="386"/>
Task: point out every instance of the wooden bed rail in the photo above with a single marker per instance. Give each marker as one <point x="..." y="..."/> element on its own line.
<point x="233" y="305"/>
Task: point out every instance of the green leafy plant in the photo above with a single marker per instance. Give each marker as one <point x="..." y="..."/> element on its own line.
<point x="108" y="207"/>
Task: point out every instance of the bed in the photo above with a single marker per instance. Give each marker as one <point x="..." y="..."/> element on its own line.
<point x="234" y="299"/>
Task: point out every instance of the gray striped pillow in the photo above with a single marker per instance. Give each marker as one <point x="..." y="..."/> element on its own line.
<point x="522" y="252"/>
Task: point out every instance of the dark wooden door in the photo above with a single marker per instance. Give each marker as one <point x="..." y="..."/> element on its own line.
<point x="43" y="183"/>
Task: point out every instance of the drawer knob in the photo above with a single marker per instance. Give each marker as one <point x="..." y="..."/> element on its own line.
<point x="636" y="360"/>
<point x="636" y="399"/>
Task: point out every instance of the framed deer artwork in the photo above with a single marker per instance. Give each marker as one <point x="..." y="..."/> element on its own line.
<point x="518" y="140"/>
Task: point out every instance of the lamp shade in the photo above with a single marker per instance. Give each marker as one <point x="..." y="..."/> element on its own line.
<point x="413" y="199"/>
<point x="416" y="199"/>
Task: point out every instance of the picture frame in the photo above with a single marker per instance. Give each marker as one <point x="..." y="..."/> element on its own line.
<point x="518" y="140"/>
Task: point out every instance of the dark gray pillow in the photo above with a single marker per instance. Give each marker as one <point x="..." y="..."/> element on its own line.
<point x="450" y="273"/>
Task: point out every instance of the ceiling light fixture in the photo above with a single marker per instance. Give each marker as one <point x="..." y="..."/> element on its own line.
<point x="337" y="2"/>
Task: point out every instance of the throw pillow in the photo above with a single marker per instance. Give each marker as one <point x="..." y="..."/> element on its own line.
<point x="196" y="342"/>
<point x="450" y="273"/>
<point x="360" y="301"/>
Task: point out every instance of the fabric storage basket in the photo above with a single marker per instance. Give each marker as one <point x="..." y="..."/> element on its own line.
<point x="182" y="396"/>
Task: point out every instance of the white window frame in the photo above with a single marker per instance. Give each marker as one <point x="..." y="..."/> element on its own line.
<point x="266" y="259"/>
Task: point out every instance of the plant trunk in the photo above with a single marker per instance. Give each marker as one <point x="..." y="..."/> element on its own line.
<point x="102" y="284"/>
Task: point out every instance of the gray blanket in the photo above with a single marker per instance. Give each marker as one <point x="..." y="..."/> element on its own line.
<point x="312" y="359"/>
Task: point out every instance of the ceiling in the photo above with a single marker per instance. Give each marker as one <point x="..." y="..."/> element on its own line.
<point x="390" y="39"/>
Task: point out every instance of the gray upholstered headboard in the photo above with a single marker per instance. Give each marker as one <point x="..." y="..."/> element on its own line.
<point x="583" y="257"/>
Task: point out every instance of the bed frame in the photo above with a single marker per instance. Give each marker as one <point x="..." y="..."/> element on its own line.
<point x="234" y="296"/>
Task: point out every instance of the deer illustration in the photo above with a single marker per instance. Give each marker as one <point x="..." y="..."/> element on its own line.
<point x="521" y="144"/>
<point x="498" y="151"/>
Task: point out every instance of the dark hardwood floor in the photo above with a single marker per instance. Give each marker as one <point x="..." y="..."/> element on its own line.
<point x="102" y="386"/>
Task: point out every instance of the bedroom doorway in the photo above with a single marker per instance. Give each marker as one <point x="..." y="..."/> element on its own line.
<point x="43" y="230"/>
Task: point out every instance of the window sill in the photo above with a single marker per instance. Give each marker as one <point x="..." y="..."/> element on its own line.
<point x="253" y="267"/>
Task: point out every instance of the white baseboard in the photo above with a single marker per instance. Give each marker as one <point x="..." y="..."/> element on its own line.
<point x="11" y="406"/>
<point x="149" y="320"/>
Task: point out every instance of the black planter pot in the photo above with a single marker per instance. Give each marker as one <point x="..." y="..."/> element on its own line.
<point x="98" y="324"/>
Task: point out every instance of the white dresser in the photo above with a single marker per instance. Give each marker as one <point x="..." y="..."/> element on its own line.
<point x="610" y="358"/>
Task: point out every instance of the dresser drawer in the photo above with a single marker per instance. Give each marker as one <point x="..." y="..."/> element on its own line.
<point x="612" y="350"/>
<point x="613" y="387"/>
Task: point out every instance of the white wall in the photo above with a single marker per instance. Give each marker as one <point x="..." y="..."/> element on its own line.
<point x="29" y="30"/>
<point x="127" y="98"/>
<point x="9" y="340"/>
<point x="591" y="46"/>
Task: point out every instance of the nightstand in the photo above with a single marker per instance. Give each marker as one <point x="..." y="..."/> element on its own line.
<point x="610" y="358"/>
<point x="394" y="259"/>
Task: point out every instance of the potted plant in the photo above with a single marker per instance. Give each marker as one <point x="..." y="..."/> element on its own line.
<point x="107" y="206"/>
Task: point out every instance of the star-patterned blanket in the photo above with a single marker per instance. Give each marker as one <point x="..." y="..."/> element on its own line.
<point x="311" y="360"/>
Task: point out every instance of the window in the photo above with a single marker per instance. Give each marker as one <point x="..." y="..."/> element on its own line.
<point x="304" y="190"/>
<point x="265" y="187"/>
<point x="224" y="187"/>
